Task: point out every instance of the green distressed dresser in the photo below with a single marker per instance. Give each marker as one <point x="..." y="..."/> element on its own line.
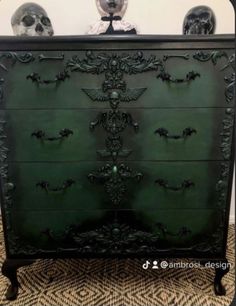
<point x="116" y="147"/>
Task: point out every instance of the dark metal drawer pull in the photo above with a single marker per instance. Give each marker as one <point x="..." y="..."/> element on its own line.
<point x="46" y="186"/>
<point x="166" y="77"/>
<point x="63" y="134"/>
<point x="165" y="133"/>
<point x="60" y="77"/>
<point x="185" y="185"/>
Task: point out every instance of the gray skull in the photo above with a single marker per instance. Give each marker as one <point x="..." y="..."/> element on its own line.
<point x="199" y="20"/>
<point x="30" y="19"/>
<point x="112" y="6"/>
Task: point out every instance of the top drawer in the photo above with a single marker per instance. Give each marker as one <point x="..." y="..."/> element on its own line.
<point x="134" y="78"/>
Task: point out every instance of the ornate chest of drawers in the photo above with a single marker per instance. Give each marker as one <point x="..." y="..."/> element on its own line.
<point x="116" y="147"/>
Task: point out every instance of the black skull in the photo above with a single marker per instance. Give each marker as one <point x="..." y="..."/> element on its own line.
<point x="199" y="20"/>
<point x="30" y="19"/>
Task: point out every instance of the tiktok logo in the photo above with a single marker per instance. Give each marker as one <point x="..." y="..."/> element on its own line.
<point x="146" y="265"/>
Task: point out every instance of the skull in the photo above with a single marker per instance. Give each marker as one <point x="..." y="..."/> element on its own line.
<point x="199" y="20"/>
<point x="30" y="19"/>
<point x="114" y="7"/>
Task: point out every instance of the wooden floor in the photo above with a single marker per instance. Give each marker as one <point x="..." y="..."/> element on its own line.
<point x="116" y="283"/>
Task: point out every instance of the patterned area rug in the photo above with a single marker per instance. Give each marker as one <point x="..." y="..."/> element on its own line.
<point x="116" y="283"/>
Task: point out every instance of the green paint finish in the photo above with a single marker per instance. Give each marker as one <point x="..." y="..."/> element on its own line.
<point x="206" y="91"/>
<point x="83" y="144"/>
<point x="200" y="225"/>
<point x="152" y="196"/>
<point x="34" y="228"/>
<point x="80" y="195"/>
<point x="143" y="195"/>
<point x="205" y="144"/>
<point x="21" y="92"/>
<point x="78" y="146"/>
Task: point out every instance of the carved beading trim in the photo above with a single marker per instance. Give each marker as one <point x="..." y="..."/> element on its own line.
<point x="3" y="148"/>
<point x="227" y="133"/>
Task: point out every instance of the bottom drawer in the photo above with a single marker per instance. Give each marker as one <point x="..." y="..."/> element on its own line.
<point x="121" y="232"/>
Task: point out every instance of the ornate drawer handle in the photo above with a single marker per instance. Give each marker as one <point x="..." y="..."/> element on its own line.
<point x="63" y="134"/>
<point x="186" y="133"/>
<point x="46" y="186"/>
<point x="166" y="77"/>
<point x="185" y="185"/>
<point x="60" y="77"/>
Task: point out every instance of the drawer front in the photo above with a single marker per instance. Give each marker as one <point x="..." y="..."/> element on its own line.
<point x="55" y="186"/>
<point x="49" y="135"/>
<point x="180" y="134"/>
<point x="175" y="134"/>
<point x="32" y="84"/>
<point x="181" y="185"/>
<point x="181" y="78"/>
<point x="125" y="232"/>
<point x="144" y="186"/>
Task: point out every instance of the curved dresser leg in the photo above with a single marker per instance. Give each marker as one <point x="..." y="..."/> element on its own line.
<point x="219" y="274"/>
<point x="9" y="269"/>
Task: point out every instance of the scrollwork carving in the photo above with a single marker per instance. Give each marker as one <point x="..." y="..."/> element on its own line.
<point x="1" y="88"/>
<point x="214" y="243"/>
<point x="114" y="63"/>
<point x="230" y="88"/>
<point x="114" y="177"/>
<point x="115" y="238"/>
<point x="22" y="58"/>
<point x="214" y="57"/>
<point x="114" y="148"/>
<point x="227" y="133"/>
<point x="3" y="148"/>
<point x="114" y="121"/>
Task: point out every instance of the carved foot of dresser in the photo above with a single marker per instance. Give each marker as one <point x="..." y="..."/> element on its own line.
<point x="219" y="274"/>
<point x="9" y="269"/>
<point x="221" y="269"/>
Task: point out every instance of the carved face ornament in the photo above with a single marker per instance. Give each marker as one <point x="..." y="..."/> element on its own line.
<point x="199" y="20"/>
<point x="115" y="7"/>
<point x="30" y="19"/>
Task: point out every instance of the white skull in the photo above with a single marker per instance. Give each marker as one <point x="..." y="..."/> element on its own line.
<point x="30" y="19"/>
<point x="199" y="20"/>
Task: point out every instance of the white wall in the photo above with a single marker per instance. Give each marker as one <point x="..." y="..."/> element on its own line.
<point x="151" y="16"/>
<point x="73" y="17"/>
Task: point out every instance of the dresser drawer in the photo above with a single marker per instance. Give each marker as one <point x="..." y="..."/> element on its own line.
<point x="180" y="185"/>
<point x="32" y="83"/>
<point x="94" y="185"/>
<point x="177" y="134"/>
<point x="106" y="232"/>
<point x="212" y="84"/>
<point x="156" y="78"/>
<point x="59" y="135"/>
<point x="55" y="186"/>
<point x="65" y="135"/>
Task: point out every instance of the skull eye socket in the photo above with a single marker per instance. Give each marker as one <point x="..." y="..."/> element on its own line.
<point x="192" y="16"/>
<point x="46" y="21"/>
<point x="28" y="21"/>
<point x="204" y="16"/>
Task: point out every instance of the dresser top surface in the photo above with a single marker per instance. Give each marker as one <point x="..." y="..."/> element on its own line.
<point x="115" y="41"/>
